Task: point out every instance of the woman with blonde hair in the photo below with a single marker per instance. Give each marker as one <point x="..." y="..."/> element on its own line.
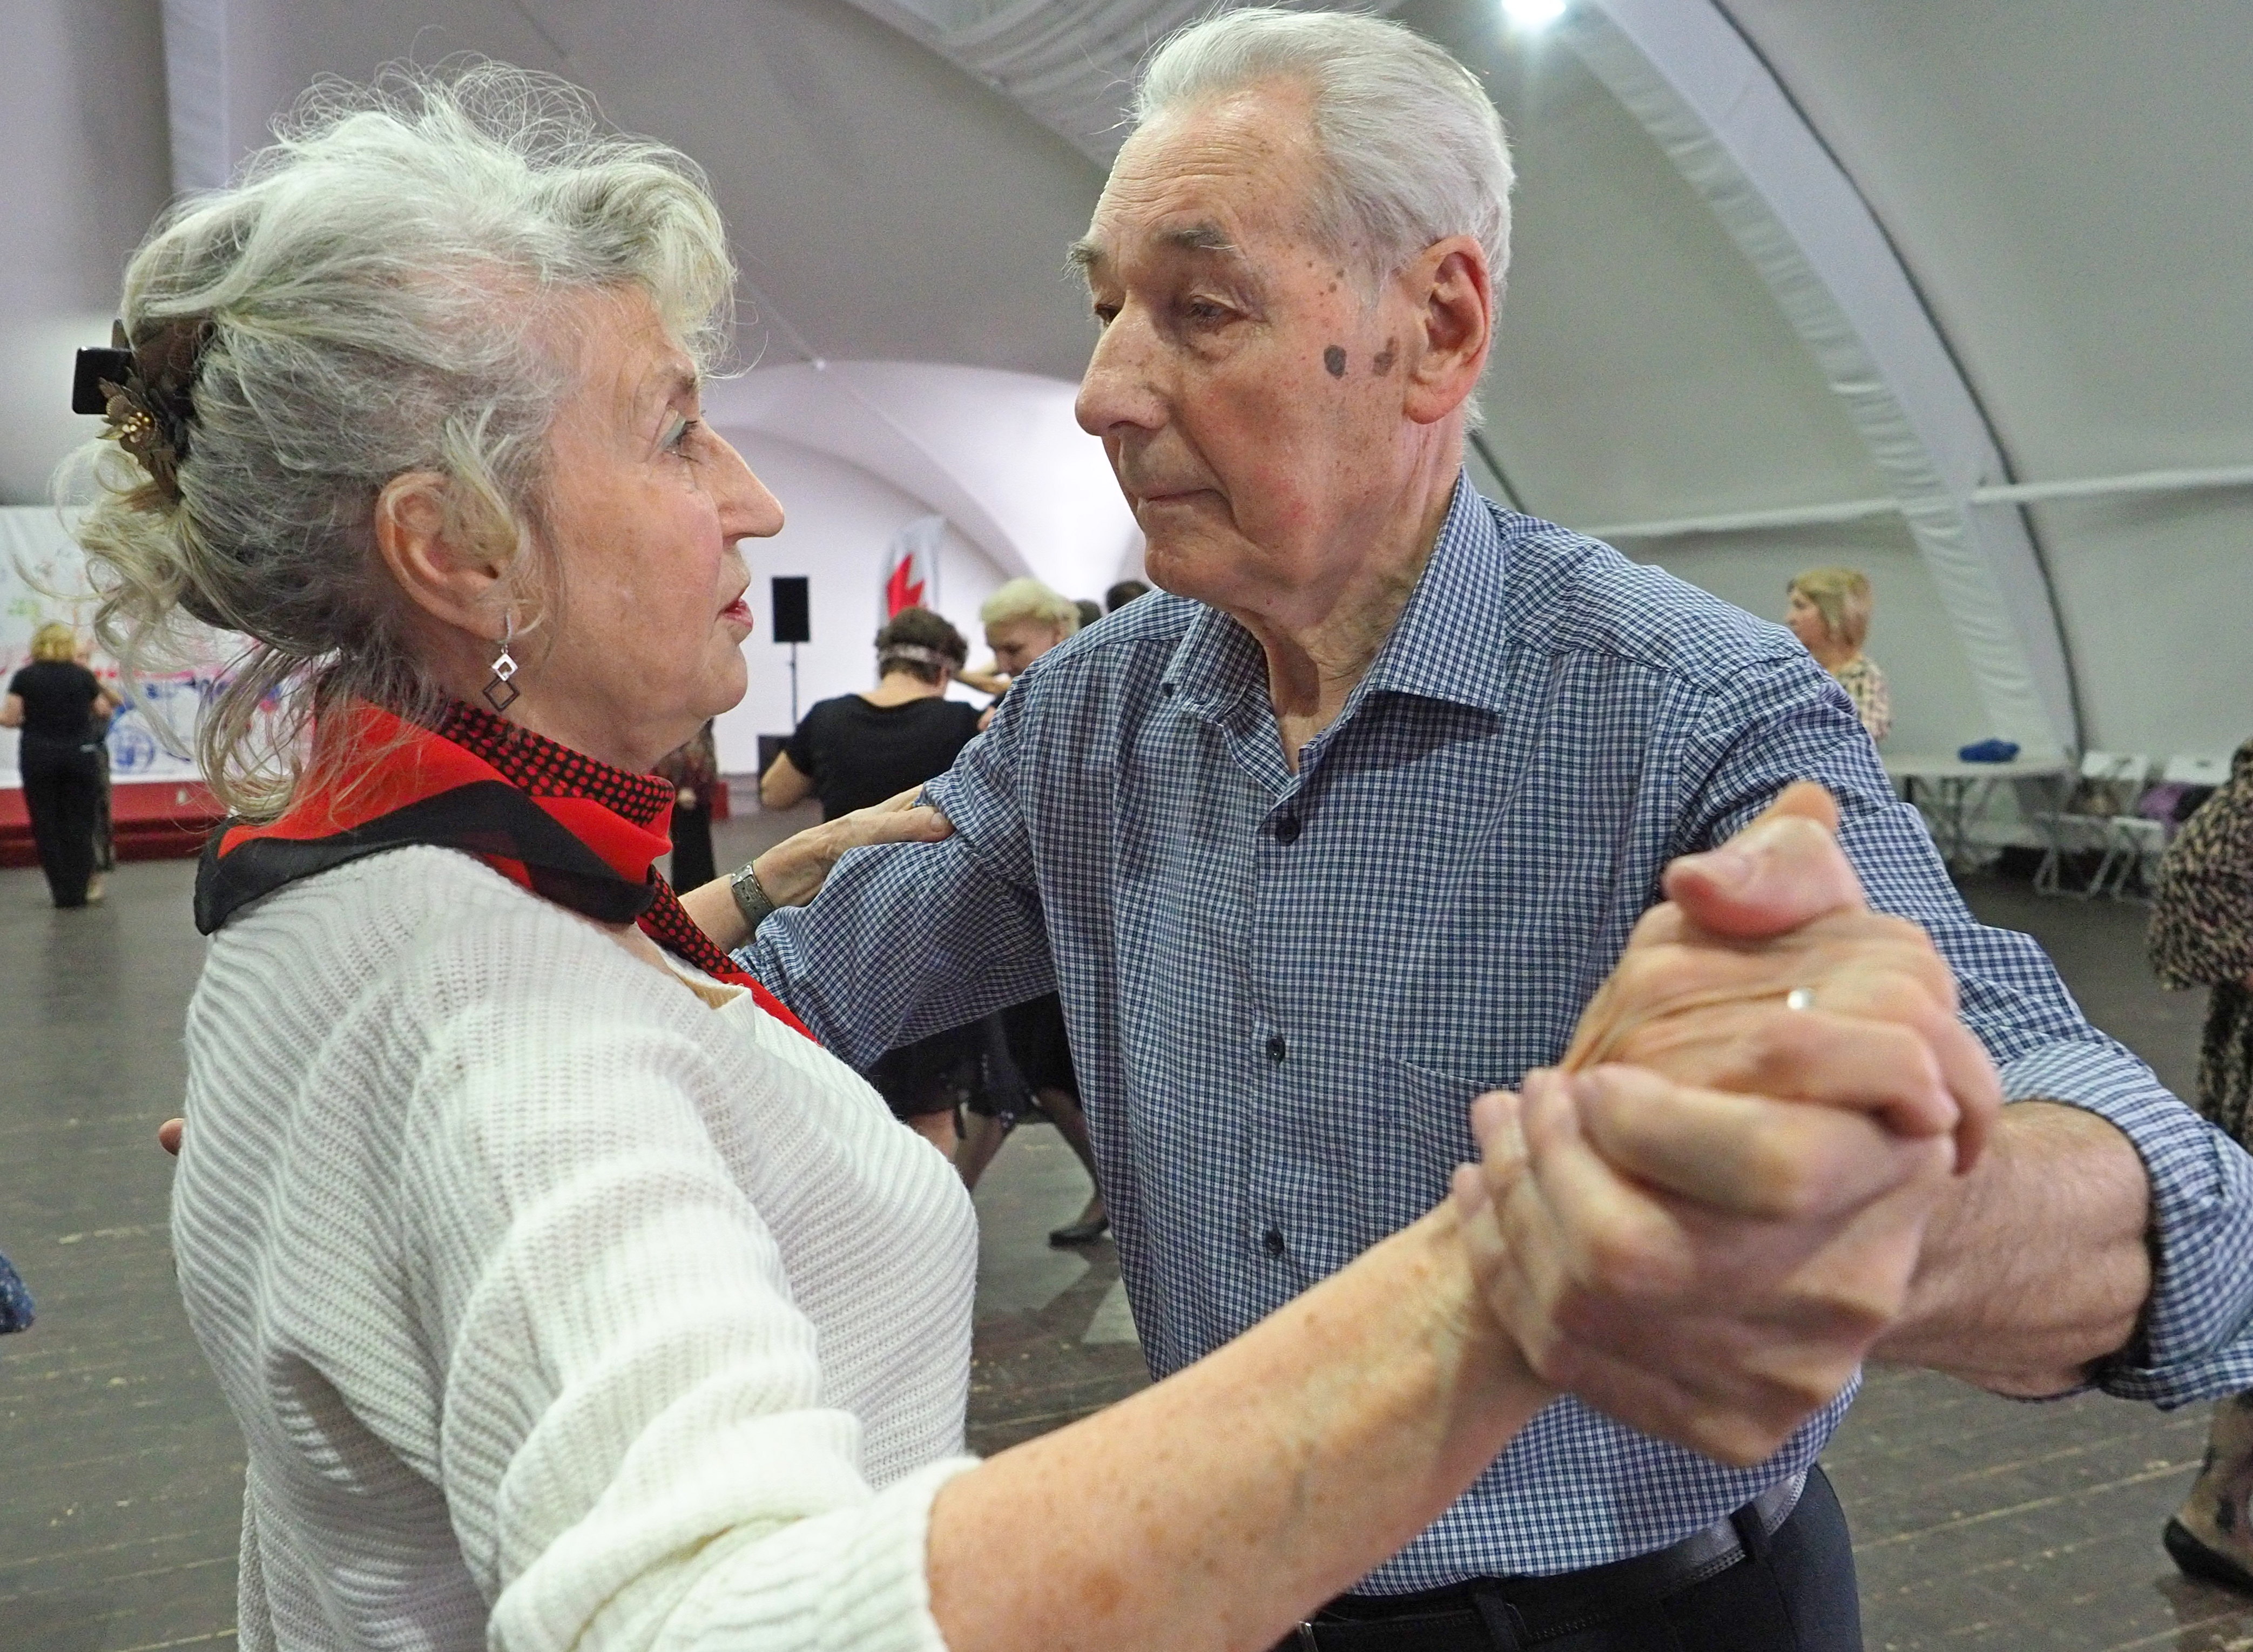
<point x="55" y="702"/>
<point x="1023" y="620"/>
<point x="1830" y="612"/>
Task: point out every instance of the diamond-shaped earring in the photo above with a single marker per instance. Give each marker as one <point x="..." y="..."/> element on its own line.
<point x="501" y="694"/>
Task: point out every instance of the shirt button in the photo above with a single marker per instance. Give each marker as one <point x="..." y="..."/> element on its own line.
<point x="1271" y="1242"/>
<point x="1277" y="1049"/>
<point x="1286" y="830"/>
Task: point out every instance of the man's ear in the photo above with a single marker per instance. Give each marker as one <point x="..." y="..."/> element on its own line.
<point x="1453" y="291"/>
<point x="417" y="534"/>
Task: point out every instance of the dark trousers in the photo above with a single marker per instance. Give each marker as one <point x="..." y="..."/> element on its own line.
<point x="1796" y="1594"/>
<point x="62" y="792"/>
<point x="691" y="846"/>
<point x="105" y="829"/>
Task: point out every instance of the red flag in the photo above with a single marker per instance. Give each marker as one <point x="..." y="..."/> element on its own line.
<point x="902" y="590"/>
<point x="911" y="566"/>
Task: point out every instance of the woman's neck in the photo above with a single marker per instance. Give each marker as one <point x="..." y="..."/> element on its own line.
<point x="900" y="686"/>
<point x="1836" y="657"/>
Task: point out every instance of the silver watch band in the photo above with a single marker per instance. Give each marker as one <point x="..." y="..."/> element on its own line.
<point x="753" y="902"/>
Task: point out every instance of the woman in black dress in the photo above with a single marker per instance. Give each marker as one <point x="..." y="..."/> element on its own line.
<point x="56" y="701"/>
<point x="855" y="751"/>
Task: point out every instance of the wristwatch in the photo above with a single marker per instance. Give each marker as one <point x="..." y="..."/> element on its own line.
<point x="753" y="902"/>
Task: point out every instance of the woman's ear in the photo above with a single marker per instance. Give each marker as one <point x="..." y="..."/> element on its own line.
<point x="417" y="536"/>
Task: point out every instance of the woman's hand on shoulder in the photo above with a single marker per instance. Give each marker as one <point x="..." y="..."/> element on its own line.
<point x="792" y="872"/>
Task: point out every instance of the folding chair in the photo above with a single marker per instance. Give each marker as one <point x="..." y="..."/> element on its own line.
<point x="2141" y="841"/>
<point x="2071" y="830"/>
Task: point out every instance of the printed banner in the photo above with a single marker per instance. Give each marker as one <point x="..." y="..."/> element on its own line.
<point x="42" y="579"/>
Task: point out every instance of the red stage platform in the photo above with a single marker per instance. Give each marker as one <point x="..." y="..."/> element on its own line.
<point x="153" y="821"/>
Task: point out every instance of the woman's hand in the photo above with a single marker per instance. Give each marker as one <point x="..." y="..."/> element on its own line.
<point x="792" y="872"/>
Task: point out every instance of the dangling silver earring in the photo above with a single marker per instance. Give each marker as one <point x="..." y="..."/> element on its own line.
<point x="501" y="694"/>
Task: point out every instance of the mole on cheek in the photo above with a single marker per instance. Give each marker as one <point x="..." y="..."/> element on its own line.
<point x="1386" y="357"/>
<point x="1333" y="358"/>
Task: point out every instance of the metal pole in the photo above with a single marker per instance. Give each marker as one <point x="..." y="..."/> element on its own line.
<point x="793" y="687"/>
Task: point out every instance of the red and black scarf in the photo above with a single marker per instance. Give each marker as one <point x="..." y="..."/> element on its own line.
<point x="578" y="832"/>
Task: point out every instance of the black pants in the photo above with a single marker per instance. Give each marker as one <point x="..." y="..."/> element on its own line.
<point x="691" y="846"/>
<point x="1798" y="1596"/>
<point x="105" y="829"/>
<point x="62" y="792"/>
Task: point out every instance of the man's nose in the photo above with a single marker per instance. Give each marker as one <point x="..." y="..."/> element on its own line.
<point x="1121" y="391"/>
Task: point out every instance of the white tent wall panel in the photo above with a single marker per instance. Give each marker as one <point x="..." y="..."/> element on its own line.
<point x="882" y="203"/>
<point x="1642" y="370"/>
<point x="1936" y="707"/>
<point x="2156" y="593"/>
<point x="839" y="525"/>
<point x="2068" y="184"/>
<point x="84" y="166"/>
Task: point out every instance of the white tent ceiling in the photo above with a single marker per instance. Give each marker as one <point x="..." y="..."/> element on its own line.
<point x="2060" y="183"/>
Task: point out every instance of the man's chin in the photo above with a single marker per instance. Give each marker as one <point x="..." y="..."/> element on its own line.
<point x="1191" y="565"/>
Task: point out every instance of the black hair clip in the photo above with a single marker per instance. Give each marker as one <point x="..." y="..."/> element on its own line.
<point x="146" y="394"/>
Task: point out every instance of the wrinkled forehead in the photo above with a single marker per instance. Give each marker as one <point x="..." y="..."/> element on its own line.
<point x="624" y="357"/>
<point x="1225" y="179"/>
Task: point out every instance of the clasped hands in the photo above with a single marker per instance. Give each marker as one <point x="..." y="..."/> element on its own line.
<point x="1705" y="1216"/>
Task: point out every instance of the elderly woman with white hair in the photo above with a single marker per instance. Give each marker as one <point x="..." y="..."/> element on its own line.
<point x="568" y="1293"/>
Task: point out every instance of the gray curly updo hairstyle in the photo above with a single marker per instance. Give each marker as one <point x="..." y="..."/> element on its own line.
<point x="376" y="284"/>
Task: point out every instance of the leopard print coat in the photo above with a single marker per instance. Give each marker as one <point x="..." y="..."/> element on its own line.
<point x="2203" y="936"/>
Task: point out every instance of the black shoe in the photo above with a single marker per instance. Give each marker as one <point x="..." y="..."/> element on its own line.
<point x="2198" y="1561"/>
<point x="1085" y="1232"/>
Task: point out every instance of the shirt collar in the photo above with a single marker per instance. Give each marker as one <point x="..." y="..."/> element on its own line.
<point x="1446" y="644"/>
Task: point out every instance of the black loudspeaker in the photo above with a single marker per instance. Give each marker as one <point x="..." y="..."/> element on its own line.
<point x="792" y="621"/>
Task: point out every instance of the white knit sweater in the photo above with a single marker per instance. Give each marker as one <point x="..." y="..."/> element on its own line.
<point x="559" y="1309"/>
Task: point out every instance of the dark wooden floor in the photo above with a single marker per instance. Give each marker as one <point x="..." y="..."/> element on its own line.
<point x="1978" y="1522"/>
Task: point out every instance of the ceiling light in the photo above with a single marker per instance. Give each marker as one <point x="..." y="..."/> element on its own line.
<point x="1529" y="14"/>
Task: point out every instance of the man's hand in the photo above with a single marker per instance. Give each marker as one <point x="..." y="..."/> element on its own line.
<point x="1764" y="972"/>
<point x="1687" y="1242"/>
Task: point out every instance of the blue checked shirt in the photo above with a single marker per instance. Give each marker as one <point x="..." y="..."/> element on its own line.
<point x="1284" y="989"/>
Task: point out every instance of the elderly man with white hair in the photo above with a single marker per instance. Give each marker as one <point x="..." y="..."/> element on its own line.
<point x="1347" y="828"/>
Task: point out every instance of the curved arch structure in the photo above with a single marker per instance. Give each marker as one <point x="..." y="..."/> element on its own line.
<point x="1689" y="77"/>
<point x="1680" y="67"/>
<point x="1683" y="71"/>
<point x="932" y="431"/>
<point x="1070" y="67"/>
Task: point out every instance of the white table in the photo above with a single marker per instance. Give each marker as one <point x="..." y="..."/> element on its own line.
<point x="1956" y="793"/>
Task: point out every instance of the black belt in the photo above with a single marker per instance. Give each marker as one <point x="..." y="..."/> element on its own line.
<point x="1501" y="1615"/>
